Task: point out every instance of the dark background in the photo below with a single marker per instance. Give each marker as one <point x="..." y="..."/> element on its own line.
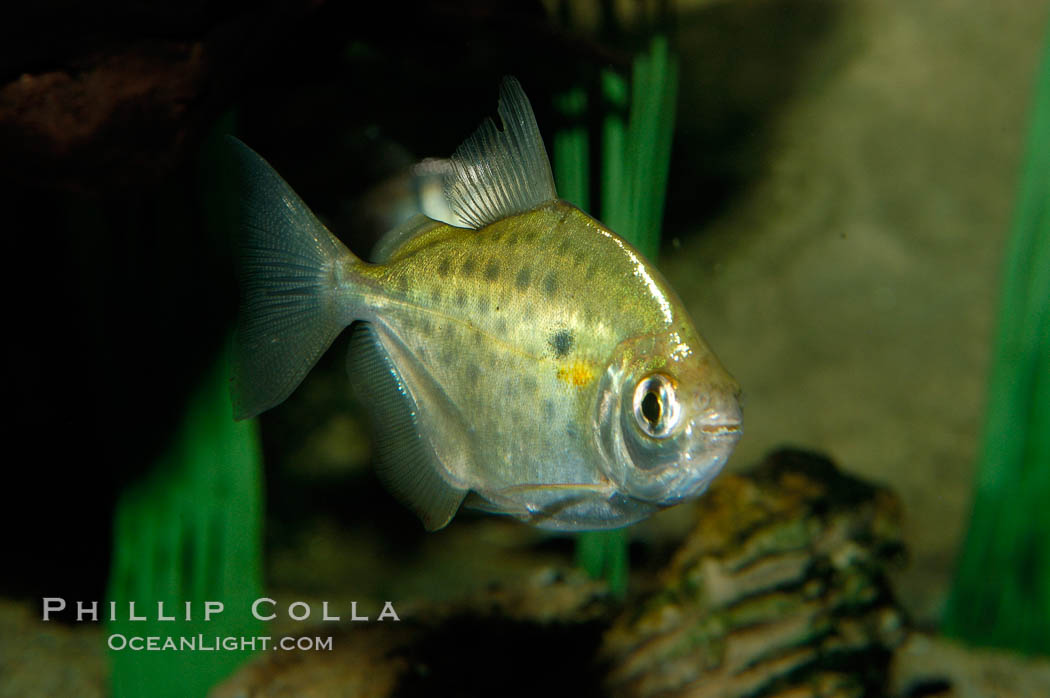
<point x="118" y="279"/>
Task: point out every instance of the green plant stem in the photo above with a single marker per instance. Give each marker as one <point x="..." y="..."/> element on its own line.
<point x="190" y="531"/>
<point x="1001" y="591"/>
<point x="635" y="161"/>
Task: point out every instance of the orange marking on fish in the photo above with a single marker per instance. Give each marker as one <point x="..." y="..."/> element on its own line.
<point x="577" y="374"/>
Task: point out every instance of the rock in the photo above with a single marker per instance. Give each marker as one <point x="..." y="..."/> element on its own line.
<point x="779" y="590"/>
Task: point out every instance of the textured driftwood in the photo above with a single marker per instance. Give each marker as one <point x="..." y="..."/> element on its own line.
<point x="778" y="590"/>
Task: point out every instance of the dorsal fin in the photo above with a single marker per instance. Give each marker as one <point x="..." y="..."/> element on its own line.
<point x="496" y="173"/>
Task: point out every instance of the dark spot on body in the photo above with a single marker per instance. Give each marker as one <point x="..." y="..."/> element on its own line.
<point x="550" y="284"/>
<point x="471" y="372"/>
<point x="570" y="430"/>
<point x="528" y="385"/>
<point x="531" y="236"/>
<point x="592" y="270"/>
<point x="561" y="342"/>
<point x="444" y="267"/>
<point x="578" y="257"/>
<point x="512" y="239"/>
<point x="501" y="324"/>
<point x="435" y="296"/>
<point x="461" y="298"/>
<point x="492" y="270"/>
<point x="468" y="267"/>
<point x="524" y="278"/>
<point x="564" y="246"/>
<point x="548" y="408"/>
<point x="483" y="305"/>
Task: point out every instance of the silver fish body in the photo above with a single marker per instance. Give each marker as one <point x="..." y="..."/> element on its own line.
<point x="533" y="364"/>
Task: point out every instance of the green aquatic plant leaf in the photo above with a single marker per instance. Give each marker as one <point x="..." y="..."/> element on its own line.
<point x="1000" y="595"/>
<point x="187" y="534"/>
<point x="634" y="163"/>
<point x="190" y="530"/>
<point x="636" y="158"/>
<point x="572" y="151"/>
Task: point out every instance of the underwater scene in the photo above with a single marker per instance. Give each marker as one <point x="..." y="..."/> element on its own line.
<point x="566" y="348"/>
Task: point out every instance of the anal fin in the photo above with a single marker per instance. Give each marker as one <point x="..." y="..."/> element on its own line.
<point x="407" y="464"/>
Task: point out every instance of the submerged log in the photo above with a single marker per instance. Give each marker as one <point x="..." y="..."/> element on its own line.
<point x="779" y="589"/>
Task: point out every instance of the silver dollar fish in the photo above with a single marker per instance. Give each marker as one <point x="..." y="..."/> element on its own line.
<point x="531" y="363"/>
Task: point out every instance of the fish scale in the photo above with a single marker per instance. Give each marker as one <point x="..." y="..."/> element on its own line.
<point x="532" y="364"/>
<point x="510" y="325"/>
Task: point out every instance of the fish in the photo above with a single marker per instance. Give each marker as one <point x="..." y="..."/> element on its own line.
<point x="529" y="362"/>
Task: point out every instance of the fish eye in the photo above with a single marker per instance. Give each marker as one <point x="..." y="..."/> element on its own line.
<point x="656" y="408"/>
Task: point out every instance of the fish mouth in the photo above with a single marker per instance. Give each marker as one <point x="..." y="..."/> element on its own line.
<point x="714" y="443"/>
<point x="721" y="429"/>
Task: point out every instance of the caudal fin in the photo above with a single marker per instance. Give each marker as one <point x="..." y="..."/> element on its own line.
<point x="292" y="306"/>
